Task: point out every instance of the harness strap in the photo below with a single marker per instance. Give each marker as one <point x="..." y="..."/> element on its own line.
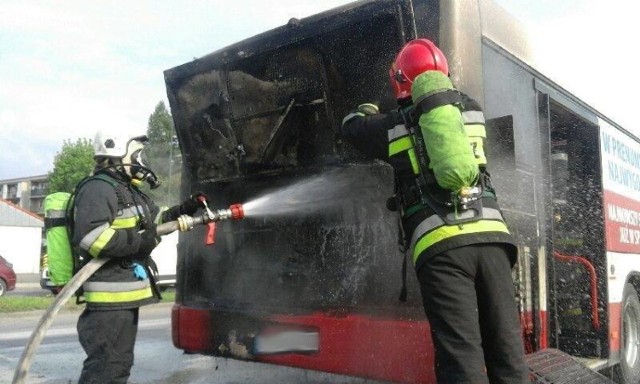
<point x="403" y="289"/>
<point x="121" y="201"/>
<point x="435" y="221"/>
<point x="435" y="100"/>
<point x="119" y="188"/>
<point x="403" y="248"/>
<point x="423" y="177"/>
<point x="51" y="222"/>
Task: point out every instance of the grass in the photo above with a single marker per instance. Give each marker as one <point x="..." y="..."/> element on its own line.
<point x="20" y="303"/>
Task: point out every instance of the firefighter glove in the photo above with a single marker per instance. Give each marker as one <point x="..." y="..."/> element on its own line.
<point x="366" y="109"/>
<point x="191" y="205"/>
<point x="139" y="272"/>
<point x="149" y="239"/>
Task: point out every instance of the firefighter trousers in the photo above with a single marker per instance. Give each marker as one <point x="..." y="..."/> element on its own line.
<point x="108" y="338"/>
<point x="469" y="299"/>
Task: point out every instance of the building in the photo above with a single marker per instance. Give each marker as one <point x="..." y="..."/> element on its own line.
<point x="26" y="192"/>
<point x="20" y="237"/>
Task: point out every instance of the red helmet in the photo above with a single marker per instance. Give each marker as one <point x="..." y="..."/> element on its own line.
<point x="416" y="57"/>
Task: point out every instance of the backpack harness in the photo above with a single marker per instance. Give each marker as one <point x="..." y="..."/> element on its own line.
<point x="64" y="261"/>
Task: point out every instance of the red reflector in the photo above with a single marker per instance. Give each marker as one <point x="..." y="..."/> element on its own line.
<point x="191" y="328"/>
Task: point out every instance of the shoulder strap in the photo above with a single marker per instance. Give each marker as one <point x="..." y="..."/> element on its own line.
<point x="78" y="263"/>
<point x="70" y="203"/>
<point x="468" y="103"/>
<point x="104" y="177"/>
<point x="449" y="96"/>
<point x="411" y="117"/>
<point x="115" y="184"/>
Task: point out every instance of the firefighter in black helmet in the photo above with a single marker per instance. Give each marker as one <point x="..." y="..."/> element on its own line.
<point x="113" y="219"/>
<point x="455" y="232"/>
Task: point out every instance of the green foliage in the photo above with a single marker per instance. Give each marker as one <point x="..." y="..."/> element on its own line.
<point x="75" y="160"/>
<point x="164" y="155"/>
<point x="160" y="127"/>
<point x="71" y="164"/>
<point x="19" y="303"/>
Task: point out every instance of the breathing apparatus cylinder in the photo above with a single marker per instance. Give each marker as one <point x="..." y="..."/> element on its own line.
<point x="60" y="255"/>
<point x="451" y="157"/>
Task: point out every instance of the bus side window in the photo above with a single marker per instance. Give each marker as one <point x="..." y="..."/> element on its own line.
<point x="500" y="144"/>
<point x="500" y="153"/>
<point x="513" y="180"/>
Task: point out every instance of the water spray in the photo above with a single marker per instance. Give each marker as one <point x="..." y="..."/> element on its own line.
<point x="328" y="190"/>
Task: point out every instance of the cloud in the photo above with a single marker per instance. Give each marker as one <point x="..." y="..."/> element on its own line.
<point x="588" y="50"/>
<point x="70" y="69"/>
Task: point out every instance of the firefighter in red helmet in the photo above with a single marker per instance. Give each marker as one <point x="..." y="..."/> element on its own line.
<point x="453" y="227"/>
<point x="415" y="58"/>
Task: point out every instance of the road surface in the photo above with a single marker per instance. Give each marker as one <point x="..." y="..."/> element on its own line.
<point x="59" y="358"/>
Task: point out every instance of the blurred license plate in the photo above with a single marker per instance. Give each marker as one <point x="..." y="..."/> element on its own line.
<point x="287" y="341"/>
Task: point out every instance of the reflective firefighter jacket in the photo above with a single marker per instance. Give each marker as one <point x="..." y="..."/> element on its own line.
<point x="107" y="217"/>
<point x="387" y="137"/>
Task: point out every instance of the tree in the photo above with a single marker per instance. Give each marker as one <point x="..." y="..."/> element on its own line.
<point x="160" y="127"/>
<point x="164" y="155"/>
<point x="70" y="165"/>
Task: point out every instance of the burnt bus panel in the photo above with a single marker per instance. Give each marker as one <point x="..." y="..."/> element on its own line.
<point x="254" y="122"/>
<point x="337" y="259"/>
<point x="280" y="108"/>
<point x="286" y="123"/>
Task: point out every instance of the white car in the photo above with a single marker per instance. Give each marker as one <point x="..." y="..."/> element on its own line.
<point x="165" y="256"/>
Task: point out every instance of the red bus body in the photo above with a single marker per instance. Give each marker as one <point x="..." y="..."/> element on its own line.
<point x="318" y="289"/>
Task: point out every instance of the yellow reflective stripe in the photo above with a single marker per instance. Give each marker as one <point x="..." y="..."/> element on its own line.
<point x="400" y="145"/>
<point x="449" y="231"/>
<point x="477" y="130"/>
<point x="130" y="222"/>
<point x="434" y="221"/>
<point x="101" y="241"/>
<point x="414" y="161"/>
<point x="92" y="236"/>
<point x="118" y="297"/>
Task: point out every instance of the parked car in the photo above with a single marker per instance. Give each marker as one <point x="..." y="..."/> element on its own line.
<point x="7" y="276"/>
<point x="165" y="256"/>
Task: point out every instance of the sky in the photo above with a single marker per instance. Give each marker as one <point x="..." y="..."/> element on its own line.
<point x="69" y="68"/>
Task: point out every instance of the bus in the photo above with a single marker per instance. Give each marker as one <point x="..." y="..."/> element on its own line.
<point x="320" y="289"/>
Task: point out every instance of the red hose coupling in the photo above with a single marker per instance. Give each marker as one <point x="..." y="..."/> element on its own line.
<point x="237" y="212"/>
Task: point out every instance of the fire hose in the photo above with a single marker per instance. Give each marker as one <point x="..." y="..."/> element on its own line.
<point x="183" y="223"/>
